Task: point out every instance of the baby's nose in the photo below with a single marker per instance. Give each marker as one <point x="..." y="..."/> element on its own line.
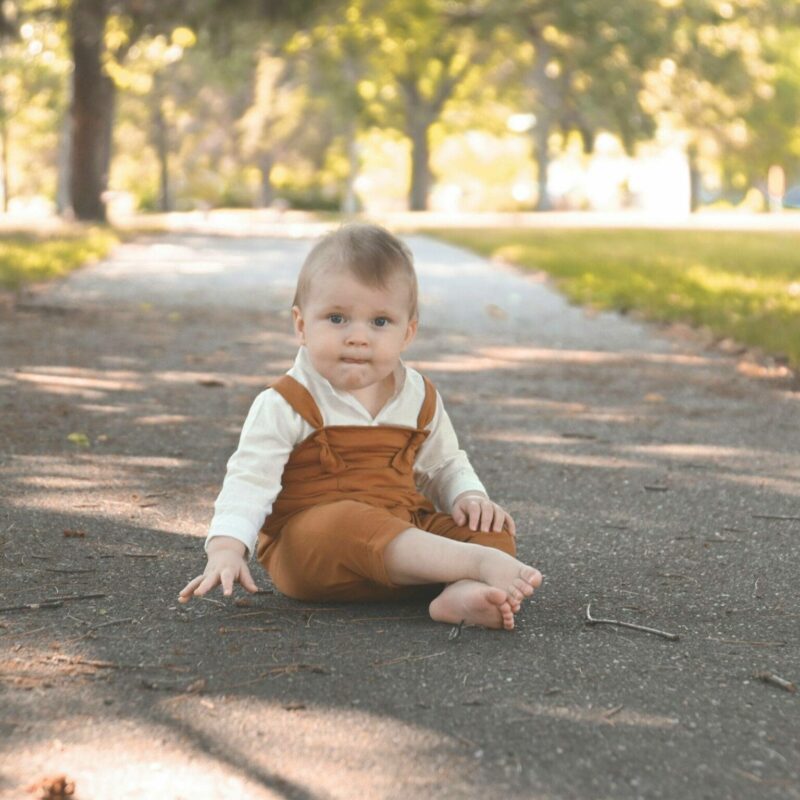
<point x="357" y="334"/>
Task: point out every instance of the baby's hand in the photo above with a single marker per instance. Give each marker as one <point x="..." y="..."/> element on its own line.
<point x="479" y="512"/>
<point x="226" y="564"/>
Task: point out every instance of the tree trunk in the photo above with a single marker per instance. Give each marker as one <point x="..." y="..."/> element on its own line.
<point x="547" y="105"/>
<point x="4" y="161"/>
<point x="421" y="176"/>
<point x="350" y="199"/>
<point x="541" y="148"/>
<point x="161" y="136"/>
<point x="92" y="111"/>
<point x="63" y="204"/>
<point x="695" y="179"/>
<point x="267" y="193"/>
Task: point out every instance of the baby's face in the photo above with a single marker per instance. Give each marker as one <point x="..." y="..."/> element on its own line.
<point x="354" y="333"/>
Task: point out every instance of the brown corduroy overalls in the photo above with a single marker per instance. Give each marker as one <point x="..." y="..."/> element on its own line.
<point x="347" y="491"/>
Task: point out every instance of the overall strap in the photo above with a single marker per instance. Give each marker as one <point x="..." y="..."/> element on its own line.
<point x="300" y="399"/>
<point x="428" y="408"/>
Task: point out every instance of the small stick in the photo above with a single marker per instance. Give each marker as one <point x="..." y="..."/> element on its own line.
<point x="32" y="606"/>
<point x="67" y="571"/>
<point x="371" y="619"/>
<point x="142" y="555"/>
<point x="455" y="632"/>
<point x="593" y="621"/>
<point x="748" y="641"/>
<point x="74" y="597"/>
<point x="775" y="680"/>
<point x="405" y="658"/>
<point x="112" y="622"/>
<point x="613" y="711"/>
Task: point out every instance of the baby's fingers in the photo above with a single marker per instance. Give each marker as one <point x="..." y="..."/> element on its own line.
<point x="186" y="593"/>
<point x="227" y="577"/>
<point x="500" y="517"/>
<point x="246" y="579"/>
<point x="207" y="584"/>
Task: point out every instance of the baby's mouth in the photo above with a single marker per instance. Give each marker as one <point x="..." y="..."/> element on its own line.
<point x="354" y="360"/>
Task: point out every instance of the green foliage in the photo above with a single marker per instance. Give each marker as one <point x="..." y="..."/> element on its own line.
<point x="740" y="285"/>
<point x="33" y="77"/>
<point x="26" y="257"/>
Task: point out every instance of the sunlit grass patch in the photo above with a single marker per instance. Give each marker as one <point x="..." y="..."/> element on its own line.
<point x="28" y="257"/>
<point x="743" y="286"/>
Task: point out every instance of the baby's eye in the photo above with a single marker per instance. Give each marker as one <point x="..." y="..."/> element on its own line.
<point x="336" y="319"/>
<point x="381" y="322"/>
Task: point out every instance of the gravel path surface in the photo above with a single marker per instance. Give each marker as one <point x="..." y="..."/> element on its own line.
<point x="648" y="475"/>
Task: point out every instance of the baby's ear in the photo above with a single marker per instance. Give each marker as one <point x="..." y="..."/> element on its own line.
<point x="411" y="332"/>
<point x="299" y="323"/>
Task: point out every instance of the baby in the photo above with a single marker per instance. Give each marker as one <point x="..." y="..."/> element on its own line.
<point x="344" y="461"/>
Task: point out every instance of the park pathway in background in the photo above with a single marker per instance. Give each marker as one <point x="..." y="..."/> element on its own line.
<point x="650" y="477"/>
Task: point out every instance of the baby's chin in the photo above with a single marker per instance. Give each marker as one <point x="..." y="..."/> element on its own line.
<point x="355" y="380"/>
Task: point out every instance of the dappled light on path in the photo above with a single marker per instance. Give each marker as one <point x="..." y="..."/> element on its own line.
<point x="645" y="474"/>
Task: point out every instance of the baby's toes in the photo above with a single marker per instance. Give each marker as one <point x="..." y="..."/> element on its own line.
<point x="515" y="594"/>
<point x="532" y="577"/>
<point x="523" y="587"/>
<point x="508" y="616"/>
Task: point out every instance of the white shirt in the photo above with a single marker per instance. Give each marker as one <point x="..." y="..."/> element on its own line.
<point x="273" y="429"/>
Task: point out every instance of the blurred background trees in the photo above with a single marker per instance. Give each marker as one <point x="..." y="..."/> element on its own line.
<point x="393" y="104"/>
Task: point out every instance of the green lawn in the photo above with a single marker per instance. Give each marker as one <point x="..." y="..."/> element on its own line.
<point x="745" y="286"/>
<point x="27" y="257"/>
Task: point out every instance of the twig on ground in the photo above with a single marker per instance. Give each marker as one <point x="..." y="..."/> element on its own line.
<point x="594" y="621"/>
<point x="613" y="711"/>
<point x="93" y="596"/>
<point x="464" y="740"/>
<point x="91" y="662"/>
<point x="747" y="641"/>
<point x="112" y="622"/>
<point x="376" y="619"/>
<point x="68" y="571"/>
<point x="405" y="658"/>
<point x="32" y="606"/>
<point x="455" y="631"/>
<point x="142" y="555"/>
<point x="775" y="680"/>
<point x="287" y="669"/>
<point x="241" y="629"/>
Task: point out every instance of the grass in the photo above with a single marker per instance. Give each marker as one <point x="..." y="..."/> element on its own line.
<point x="742" y="286"/>
<point x="28" y="257"/>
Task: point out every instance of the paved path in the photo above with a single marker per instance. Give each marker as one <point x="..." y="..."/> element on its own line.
<point x="647" y="475"/>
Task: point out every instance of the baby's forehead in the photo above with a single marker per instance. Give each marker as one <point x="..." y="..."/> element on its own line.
<point x="337" y="279"/>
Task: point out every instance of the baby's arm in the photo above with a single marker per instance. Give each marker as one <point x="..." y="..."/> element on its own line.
<point x="252" y="482"/>
<point x="445" y="475"/>
<point x="226" y="564"/>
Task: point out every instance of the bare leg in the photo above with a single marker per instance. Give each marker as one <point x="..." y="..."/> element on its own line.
<point x="416" y="557"/>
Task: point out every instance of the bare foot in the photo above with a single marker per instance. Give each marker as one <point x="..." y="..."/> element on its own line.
<point x="475" y="603"/>
<point x="503" y="571"/>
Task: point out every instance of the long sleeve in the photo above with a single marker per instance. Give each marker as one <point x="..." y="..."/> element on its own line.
<point x="442" y="470"/>
<point x="253" y="477"/>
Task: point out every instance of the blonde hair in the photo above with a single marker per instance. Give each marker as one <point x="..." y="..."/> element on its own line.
<point x="371" y="254"/>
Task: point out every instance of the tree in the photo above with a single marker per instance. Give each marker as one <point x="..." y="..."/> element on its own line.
<point x="101" y="33"/>
<point x="395" y="64"/>
<point x="33" y="69"/>
<point x="773" y="118"/>
<point x="586" y="66"/>
<point x="425" y="54"/>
